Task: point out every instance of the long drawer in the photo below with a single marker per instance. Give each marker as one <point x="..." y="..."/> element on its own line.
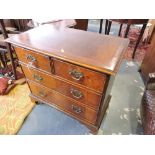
<point x="63" y="102"/>
<point x="34" y="59"/>
<point x="80" y="75"/>
<point x="80" y="94"/>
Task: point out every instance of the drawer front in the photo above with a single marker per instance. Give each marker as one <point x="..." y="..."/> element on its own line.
<point x="80" y="75"/>
<point x="34" y="59"/>
<point x="80" y="94"/>
<point x="63" y="102"/>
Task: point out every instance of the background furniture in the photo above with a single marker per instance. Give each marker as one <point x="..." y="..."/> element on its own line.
<point x="68" y="74"/>
<point x="17" y="24"/>
<point x="5" y="47"/>
<point x="57" y="22"/>
<point x="147" y="71"/>
<point x="148" y="64"/>
<point x="81" y="24"/>
<point x="128" y="22"/>
<point x="147" y="36"/>
<point x="148" y="106"/>
<point x="8" y="28"/>
<point x="21" y="24"/>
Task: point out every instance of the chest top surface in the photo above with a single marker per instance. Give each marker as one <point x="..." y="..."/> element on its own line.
<point x="96" y="51"/>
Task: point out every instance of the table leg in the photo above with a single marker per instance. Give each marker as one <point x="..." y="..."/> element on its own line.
<point x="120" y="28"/>
<point x="106" y="26"/>
<point x="109" y="26"/>
<point x="139" y="38"/>
<point x="127" y="31"/>
<point x="101" y="22"/>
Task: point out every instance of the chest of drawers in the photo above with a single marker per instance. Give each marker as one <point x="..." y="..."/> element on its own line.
<point x="71" y="70"/>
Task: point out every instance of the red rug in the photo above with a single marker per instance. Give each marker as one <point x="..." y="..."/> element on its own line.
<point x="140" y="53"/>
<point x="141" y="49"/>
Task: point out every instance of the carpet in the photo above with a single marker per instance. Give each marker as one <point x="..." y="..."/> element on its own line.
<point x="142" y="47"/>
<point x="139" y="55"/>
<point x="14" y="108"/>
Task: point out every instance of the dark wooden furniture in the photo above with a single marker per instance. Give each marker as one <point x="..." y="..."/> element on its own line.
<point x="81" y="24"/>
<point x="148" y="63"/>
<point x="148" y="106"/>
<point x="5" y="47"/>
<point x="8" y="28"/>
<point x="69" y="69"/>
<point x="128" y="22"/>
<point x="21" y="24"/>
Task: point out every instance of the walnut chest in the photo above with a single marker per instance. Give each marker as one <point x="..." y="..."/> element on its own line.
<point x="71" y="70"/>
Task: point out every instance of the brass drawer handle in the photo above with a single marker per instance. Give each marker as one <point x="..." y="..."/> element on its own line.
<point x="37" y="77"/>
<point x="76" y="75"/>
<point x="42" y="93"/>
<point x="31" y="58"/>
<point x="76" y="93"/>
<point x="76" y="109"/>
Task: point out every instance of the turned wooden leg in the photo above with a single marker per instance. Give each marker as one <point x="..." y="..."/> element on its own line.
<point x="120" y="29"/>
<point x="12" y="61"/>
<point x="101" y="22"/>
<point x="106" y="26"/>
<point x="139" y="38"/>
<point x="109" y="27"/>
<point x="127" y="31"/>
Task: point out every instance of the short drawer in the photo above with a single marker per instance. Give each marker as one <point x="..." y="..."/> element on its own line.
<point x="63" y="102"/>
<point x="82" y="95"/>
<point x="34" y="59"/>
<point x="80" y="75"/>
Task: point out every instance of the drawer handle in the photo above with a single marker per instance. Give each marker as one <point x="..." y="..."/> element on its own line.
<point x="76" y="109"/>
<point x="76" y="93"/>
<point x="76" y="75"/>
<point x="42" y="93"/>
<point x="37" y="77"/>
<point x="31" y="58"/>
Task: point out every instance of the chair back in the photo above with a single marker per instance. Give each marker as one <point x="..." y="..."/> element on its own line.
<point x="3" y="30"/>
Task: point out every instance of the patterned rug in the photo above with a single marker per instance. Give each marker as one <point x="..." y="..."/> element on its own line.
<point x="140" y="53"/>
<point x="14" y="108"/>
<point x="141" y="49"/>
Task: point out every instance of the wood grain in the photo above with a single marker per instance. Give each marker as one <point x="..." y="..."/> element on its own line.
<point x="63" y="102"/>
<point x="70" y="69"/>
<point x="42" y="61"/>
<point x="88" y="97"/>
<point x="91" y="79"/>
<point x="95" y="51"/>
